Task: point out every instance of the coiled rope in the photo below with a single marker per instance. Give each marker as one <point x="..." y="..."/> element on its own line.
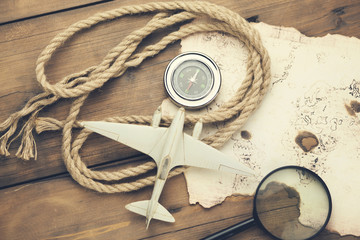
<point x="77" y="86"/>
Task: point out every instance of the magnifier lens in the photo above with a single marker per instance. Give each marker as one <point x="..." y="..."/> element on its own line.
<point x="292" y="203"/>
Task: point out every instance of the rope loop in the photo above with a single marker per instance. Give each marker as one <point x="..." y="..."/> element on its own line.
<point x="126" y="54"/>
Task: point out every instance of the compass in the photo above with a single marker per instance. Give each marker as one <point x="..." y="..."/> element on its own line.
<point x="192" y="80"/>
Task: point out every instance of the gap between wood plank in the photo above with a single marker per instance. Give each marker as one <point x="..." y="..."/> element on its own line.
<point x="98" y="166"/>
<point x="55" y="12"/>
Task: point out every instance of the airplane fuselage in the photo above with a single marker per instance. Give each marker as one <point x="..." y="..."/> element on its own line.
<point x="173" y="138"/>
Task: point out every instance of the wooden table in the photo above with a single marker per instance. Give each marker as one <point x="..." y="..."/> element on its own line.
<point x="39" y="200"/>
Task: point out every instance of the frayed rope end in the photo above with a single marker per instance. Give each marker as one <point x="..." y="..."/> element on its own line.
<point x="3" y="147"/>
<point x="27" y="149"/>
<point x="4" y="139"/>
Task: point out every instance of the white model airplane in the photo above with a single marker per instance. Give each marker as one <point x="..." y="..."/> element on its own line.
<point x="169" y="147"/>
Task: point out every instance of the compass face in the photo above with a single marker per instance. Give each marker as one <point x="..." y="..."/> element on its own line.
<point x="192" y="80"/>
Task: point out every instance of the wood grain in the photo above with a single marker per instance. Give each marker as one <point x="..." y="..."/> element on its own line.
<point x="114" y="99"/>
<point x="23" y="41"/>
<point x="13" y="10"/>
<point x="58" y="208"/>
<point x="39" y="200"/>
<point x="64" y="210"/>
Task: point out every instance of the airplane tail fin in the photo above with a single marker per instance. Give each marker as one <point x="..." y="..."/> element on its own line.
<point x="141" y="207"/>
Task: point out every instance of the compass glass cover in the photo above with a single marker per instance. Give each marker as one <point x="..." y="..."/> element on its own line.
<point x="192" y="80"/>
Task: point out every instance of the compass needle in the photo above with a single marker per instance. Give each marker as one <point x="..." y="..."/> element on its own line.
<point x="193" y="78"/>
<point x="189" y="86"/>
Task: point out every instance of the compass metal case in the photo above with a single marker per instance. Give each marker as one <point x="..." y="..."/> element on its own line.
<point x="192" y="80"/>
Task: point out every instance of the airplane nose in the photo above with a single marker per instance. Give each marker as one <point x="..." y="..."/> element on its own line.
<point x="180" y="116"/>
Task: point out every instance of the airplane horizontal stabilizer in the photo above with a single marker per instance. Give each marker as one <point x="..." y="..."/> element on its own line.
<point x="141" y="207"/>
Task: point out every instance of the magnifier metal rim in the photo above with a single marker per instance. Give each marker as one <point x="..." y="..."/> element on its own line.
<point x="256" y="217"/>
<point x="181" y="100"/>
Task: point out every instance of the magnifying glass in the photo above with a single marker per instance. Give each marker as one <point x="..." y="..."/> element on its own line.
<point x="291" y="202"/>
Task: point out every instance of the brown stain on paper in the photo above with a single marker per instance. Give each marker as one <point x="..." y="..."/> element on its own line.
<point x="353" y="108"/>
<point x="245" y="135"/>
<point x="306" y="141"/>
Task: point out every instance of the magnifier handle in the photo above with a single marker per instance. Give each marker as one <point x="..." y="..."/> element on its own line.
<point x="231" y="231"/>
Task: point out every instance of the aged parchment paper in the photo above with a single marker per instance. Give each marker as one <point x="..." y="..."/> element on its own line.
<point x="310" y="117"/>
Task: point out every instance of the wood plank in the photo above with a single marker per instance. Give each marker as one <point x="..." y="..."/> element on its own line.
<point x="22" y="42"/>
<point x="59" y="208"/>
<point x="12" y="10"/>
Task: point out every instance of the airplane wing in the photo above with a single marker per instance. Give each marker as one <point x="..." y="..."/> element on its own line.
<point x="199" y="154"/>
<point x="141" y="138"/>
